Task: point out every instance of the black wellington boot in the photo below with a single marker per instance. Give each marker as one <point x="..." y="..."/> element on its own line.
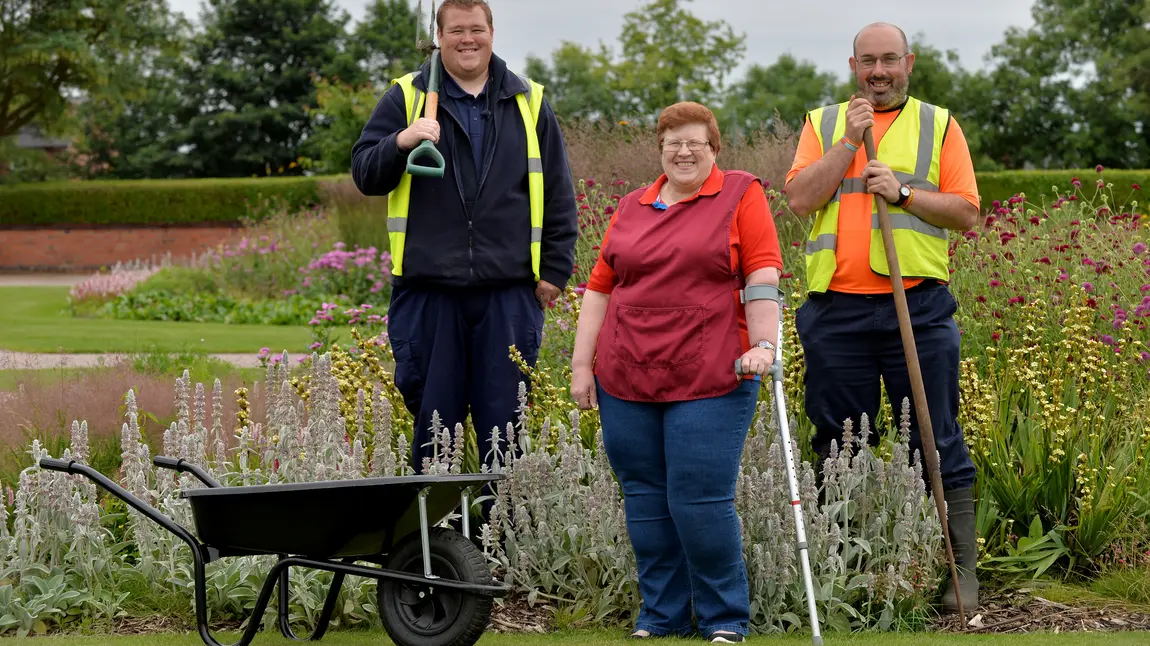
<point x="960" y="519"/>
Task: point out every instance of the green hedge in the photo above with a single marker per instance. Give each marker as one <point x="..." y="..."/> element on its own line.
<point x="1039" y="184"/>
<point x="149" y="202"/>
<point x="175" y="202"/>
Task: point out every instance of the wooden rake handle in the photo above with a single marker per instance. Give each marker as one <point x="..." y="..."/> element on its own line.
<point x="926" y="431"/>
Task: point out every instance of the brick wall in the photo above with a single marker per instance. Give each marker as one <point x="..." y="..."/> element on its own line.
<point x="84" y="249"/>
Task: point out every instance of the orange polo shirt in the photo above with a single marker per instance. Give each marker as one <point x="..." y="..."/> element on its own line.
<point x="853" y="273"/>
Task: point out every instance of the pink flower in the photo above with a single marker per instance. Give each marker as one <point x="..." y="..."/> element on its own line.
<point x="1098" y="168"/>
<point x="1088" y="286"/>
<point x="1139" y="248"/>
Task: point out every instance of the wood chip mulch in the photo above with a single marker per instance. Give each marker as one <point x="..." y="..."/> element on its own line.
<point x="1022" y="612"/>
<point x="516" y="616"/>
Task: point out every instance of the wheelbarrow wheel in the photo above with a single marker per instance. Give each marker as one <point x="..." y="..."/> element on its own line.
<point x="426" y="615"/>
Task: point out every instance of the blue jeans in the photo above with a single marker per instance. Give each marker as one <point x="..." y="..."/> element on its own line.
<point x="678" y="464"/>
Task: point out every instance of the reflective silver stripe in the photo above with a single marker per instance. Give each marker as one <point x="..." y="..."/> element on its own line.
<point x="853" y="185"/>
<point x="925" y="140"/>
<point x="822" y="243"/>
<point x="908" y="221"/>
<point x="857" y="185"/>
<point x="415" y="105"/>
<point x="536" y="234"/>
<point x="830" y="115"/>
<point x="534" y="165"/>
<point x="915" y="181"/>
<point x="397" y="225"/>
<point x="526" y="82"/>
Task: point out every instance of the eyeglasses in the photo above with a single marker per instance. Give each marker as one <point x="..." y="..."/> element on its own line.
<point x="890" y="60"/>
<point x="693" y="146"/>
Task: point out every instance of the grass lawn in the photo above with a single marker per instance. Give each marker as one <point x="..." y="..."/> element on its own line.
<point x="36" y="319"/>
<point x="587" y="638"/>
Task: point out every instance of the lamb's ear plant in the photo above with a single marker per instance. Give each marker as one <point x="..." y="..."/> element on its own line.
<point x="556" y="533"/>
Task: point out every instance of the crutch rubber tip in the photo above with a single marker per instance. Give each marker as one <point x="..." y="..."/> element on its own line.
<point x="817" y="641"/>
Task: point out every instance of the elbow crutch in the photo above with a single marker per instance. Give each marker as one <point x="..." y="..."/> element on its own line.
<point x="770" y="292"/>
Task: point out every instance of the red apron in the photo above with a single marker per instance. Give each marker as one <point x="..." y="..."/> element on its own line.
<point x="672" y="327"/>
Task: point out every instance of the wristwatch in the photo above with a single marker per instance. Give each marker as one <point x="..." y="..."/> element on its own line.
<point x="766" y="345"/>
<point x="903" y="195"/>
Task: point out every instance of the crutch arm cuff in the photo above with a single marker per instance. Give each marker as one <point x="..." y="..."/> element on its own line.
<point x="760" y="292"/>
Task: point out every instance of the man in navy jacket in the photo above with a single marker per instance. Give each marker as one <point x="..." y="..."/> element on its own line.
<point x="468" y="290"/>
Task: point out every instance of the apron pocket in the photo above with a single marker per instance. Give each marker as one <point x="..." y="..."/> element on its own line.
<point x="659" y="337"/>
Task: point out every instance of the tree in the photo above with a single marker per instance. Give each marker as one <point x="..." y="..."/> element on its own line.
<point x="1071" y="91"/>
<point x="52" y="52"/>
<point x="670" y="55"/>
<point x="384" y="43"/>
<point x="251" y="79"/>
<point x="782" y="92"/>
<point x="579" y="83"/>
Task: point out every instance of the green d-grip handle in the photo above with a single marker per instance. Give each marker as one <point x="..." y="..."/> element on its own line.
<point x="425" y="149"/>
<point x="430" y="110"/>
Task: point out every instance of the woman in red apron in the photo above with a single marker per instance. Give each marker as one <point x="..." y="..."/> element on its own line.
<point x="661" y="327"/>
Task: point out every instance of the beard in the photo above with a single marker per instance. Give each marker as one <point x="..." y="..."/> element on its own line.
<point x="894" y="95"/>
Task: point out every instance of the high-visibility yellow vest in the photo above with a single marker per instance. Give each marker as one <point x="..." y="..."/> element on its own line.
<point x="399" y="200"/>
<point x="912" y="148"/>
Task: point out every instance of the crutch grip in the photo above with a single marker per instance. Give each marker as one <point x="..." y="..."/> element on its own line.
<point x="739" y="370"/>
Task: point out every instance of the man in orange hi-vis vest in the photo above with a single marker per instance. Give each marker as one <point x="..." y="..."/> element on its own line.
<point x="848" y="326"/>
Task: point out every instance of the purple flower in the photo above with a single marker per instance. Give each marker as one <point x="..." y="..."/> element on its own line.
<point x="1107" y="339"/>
<point x="315" y="346"/>
<point x="1139" y="248"/>
<point x="264" y="352"/>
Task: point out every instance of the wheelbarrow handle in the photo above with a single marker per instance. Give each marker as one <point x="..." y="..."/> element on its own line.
<point x="56" y="464"/>
<point x="180" y="466"/>
<point x="74" y="467"/>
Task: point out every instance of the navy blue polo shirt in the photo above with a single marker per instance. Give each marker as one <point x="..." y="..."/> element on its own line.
<point x="469" y="109"/>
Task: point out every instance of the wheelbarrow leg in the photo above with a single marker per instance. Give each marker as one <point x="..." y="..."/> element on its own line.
<point x="465" y="503"/>
<point x="424" y="532"/>
<point x="255" y="620"/>
<point x="325" y="614"/>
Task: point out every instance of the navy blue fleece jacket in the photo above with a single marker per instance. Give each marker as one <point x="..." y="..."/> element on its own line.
<point x="472" y="227"/>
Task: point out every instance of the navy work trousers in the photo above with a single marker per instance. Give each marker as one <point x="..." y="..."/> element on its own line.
<point x="451" y="351"/>
<point x="851" y="341"/>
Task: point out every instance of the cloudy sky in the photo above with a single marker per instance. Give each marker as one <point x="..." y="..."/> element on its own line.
<point x="772" y="27"/>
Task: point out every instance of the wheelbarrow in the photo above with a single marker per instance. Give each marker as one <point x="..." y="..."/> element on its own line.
<point x="434" y="587"/>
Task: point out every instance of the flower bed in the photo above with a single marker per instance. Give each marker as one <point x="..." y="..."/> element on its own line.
<point x="1053" y="301"/>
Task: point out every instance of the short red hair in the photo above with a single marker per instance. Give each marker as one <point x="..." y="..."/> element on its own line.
<point x="687" y="112"/>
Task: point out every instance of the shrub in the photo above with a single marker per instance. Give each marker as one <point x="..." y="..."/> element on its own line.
<point x="150" y="202"/>
<point x="1002" y="185"/>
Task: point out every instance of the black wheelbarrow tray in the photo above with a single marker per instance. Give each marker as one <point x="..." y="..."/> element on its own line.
<point x="434" y="586"/>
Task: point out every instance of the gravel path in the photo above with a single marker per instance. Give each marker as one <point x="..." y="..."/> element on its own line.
<point x="35" y="361"/>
